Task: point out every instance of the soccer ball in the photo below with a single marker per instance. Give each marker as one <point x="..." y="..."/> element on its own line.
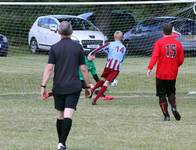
<point x="114" y="83"/>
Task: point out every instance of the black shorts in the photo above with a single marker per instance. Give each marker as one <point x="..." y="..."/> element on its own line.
<point x="66" y="100"/>
<point x="165" y="87"/>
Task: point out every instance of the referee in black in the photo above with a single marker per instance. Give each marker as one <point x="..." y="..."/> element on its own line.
<point x="66" y="57"/>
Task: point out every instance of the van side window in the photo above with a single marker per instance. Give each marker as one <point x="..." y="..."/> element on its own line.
<point x="44" y="23"/>
<point x="79" y="24"/>
<point x="52" y="22"/>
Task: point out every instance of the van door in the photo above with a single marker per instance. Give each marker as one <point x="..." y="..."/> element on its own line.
<point x="43" y="30"/>
<point x="54" y="37"/>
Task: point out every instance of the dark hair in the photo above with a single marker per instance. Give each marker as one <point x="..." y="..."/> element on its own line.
<point x="167" y="29"/>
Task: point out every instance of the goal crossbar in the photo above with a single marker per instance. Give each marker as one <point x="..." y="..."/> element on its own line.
<point x="98" y="3"/>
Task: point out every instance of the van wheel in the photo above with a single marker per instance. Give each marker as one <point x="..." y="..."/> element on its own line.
<point x="34" y="46"/>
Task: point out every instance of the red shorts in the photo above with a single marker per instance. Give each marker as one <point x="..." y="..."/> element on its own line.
<point x="110" y="74"/>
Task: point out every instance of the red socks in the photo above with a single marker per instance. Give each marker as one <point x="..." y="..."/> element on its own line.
<point x="98" y="84"/>
<point x="100" y="93"/>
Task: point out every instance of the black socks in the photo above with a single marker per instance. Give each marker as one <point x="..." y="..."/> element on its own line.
<point x="172" y="101"/>
<point x="164" y="106"/>
<point x="66" y="127"/>
<point x="59" y="123"/>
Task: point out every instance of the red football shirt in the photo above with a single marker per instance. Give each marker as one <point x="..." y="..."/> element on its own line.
<point x="168" y="54"/>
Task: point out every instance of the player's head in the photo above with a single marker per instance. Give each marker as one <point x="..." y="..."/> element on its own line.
<point x="118" y="35"/>
<point x="65" y="28"/>
<point x="167" y="29"/>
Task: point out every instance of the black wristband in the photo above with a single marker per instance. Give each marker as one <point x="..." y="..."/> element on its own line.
<point x="44" y="86"/>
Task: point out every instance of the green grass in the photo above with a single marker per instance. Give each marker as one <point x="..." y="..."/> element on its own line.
<point x="132" y="121"/>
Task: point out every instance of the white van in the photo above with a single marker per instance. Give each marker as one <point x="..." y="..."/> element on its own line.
<point x="43" y="33"/>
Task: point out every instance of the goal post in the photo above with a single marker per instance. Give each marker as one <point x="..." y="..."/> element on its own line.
<point x="138" y="20"/>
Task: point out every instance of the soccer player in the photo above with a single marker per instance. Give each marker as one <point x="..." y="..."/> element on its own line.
<point x="91" y="68"/>
<point x="168" y="54"/>
<point x="66" y="57"/>
<point x="115" y="55"/>
<point x="90" y="65"/>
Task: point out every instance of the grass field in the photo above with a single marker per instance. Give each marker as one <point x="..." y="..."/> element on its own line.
<point x="132" y="121"/>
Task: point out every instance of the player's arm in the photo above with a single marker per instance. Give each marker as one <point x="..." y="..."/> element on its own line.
<point x="47" y="73"/>
<point x="181" y="56"/>
<point x="84" y="72"/>
<point x="83" y="68"/>
<point x="46" y="76"/>
<point x="93" y="72"/>
<point x="101" y="48"/>
<point x="154" y="58"/>
<point x="86" y="80"/>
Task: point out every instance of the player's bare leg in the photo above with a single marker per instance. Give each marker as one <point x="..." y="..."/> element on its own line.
<point x="172" y="101"/>
<point x="101" y="91"/>
<point x="65" y="126"/>
<point x="164" y="107"/>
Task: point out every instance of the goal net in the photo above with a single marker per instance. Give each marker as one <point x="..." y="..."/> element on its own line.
<point x="29" y="29"/>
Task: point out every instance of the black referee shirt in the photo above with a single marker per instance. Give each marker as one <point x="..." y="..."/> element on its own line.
<point x="67" y="56"/>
